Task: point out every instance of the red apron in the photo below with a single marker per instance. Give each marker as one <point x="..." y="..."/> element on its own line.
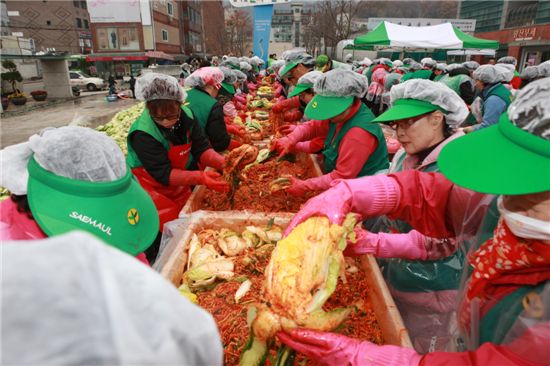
<point x="169" y="200"/>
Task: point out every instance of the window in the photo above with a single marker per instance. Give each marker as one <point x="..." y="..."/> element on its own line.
<point x="170" y="8"/>
<point x="74" y="75"/>
<point x="76" y="3"/>
<point x="86" y="25"/>
<point x="48" y="22"/>
<point x="83" y="5"/>
<point x="78" y="23"/>
<point x="164" y="35"/>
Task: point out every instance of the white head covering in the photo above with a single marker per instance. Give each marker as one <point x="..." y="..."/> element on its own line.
<point x="73" y="152"/>
<point x="73" y="300"/>
<point x="435" y="93"/>
<point x="153" y="86"/>
<point x="341" y="82"/>
<point x="490" y="74"/>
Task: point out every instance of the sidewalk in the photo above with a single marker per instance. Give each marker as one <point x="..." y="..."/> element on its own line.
<point x="90" y="111"/>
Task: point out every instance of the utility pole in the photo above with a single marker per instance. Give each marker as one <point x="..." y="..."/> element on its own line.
<point x="203" y="35"/>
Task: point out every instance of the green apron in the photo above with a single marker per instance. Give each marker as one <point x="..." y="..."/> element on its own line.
<point x="362" y="119"/>
<point x="146" y="124"/>
<point x="501" y="92"/>
<point x="201" y="105"/>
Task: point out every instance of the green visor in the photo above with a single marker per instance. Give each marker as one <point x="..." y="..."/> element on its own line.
<point x="299" y="89"/>
<point x="228" y="88"/>
<point x="321" y="107"/>
<point x="288" y="66"/>
<point x="120" y="212"/>
<point x="407" y="108"/>
<point x="501" y="159"/>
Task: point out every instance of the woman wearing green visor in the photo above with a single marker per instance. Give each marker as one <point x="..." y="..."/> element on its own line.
<point x="424" y="115"/>
<point x="338" y="114"/>
<point x="75" y="178"/>
<point x="494" y="197"/>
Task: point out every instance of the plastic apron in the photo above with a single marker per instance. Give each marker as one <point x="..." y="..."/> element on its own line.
<point x="169" y="200"/>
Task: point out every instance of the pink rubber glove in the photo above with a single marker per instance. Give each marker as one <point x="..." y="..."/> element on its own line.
<point x="383" y="245"/>
<point x="297" y="187"/>
<point x="368" y="196"/>
<point x="333" y="349"/>
<point x="286" y="129"/>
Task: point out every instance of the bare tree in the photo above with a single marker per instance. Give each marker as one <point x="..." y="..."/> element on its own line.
<point x="239" y="32"/>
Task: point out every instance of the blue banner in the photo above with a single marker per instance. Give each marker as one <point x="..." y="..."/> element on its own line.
<point x="262" y="30"/>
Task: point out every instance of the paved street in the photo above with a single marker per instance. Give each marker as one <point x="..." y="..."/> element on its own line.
<point x="89" y="111"/>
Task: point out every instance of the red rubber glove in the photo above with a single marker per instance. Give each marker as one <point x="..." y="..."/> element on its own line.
<point x="286" y="104"/>
<point x="236" y="130"/>
<point x="297" y="187"/>
<point x="214" y="181"/>
<point x="286" y="129"/>
<point x="233" y="144"/>
<point x="212" y="159"/>
<point x="293" y="115"/>
<point x="333" y="349"/>
<point x="283" y="146"/>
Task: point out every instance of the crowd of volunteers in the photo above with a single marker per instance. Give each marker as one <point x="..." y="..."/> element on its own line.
<point x="447" y="164"/>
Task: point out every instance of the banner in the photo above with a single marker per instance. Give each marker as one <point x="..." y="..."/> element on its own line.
<point x="262" y="30"/>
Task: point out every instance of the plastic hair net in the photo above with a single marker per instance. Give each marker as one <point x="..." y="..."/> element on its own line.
<point x="341" y="83"/>
<point x="397" y="63"/>
<point x="508" y="60"/>
<point x="490" y="74"/>
<point x="428" y="61"/>
<point x="276" y="65"/>
<point x="205" y="76"/>
<point x="471" y="65"/>
<point x="530" y="73"/>
<point x="244" y="59"/>
<point x="245" y="66"/>
<point x="544" y="69"/>
<point x="241" y="76"/>
<point x="452" y="67"/>
<point x="441" y="66"/>
<point x="385" y="61"/>
<point x="228" y="75"/>
<point x="415" y="66"/>
<point x="256" y="60"/>
<point x="365" y="62"/>
<point x="233" y="62"/>
<point x="407" y="61"/>
<point x="73" y="300"/>
<point x="510" y="75"/>
<point x="154" y="86"/>
<point x="530" y="109"/>
<point x="348" y="57"/>
<point x="435" y="93"/>
<point x="310" y="77"/>
<point x="299" y="55"/>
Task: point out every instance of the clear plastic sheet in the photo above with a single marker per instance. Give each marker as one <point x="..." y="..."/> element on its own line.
<point x="73" y="300"/>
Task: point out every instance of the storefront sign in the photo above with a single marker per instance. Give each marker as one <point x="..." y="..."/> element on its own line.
<point x="116" y="58"/>
<point x="108" y="11"/>
<point x="524" y="34"/>
<point x="117" y="38"/>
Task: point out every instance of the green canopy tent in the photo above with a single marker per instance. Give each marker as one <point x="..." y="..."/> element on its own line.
<point x="389" y="36"/>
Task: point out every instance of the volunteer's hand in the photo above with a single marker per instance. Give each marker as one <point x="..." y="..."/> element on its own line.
<point x="286" y="129"/>
<point x="214" y="181"/>
<point x="279" y="107"/>
<point x="283" y="146"/>
<point x="236" y="130"/>
<point x="334" y="203"/>
<point x="297" y="187"/>
<point x="365" y="243"/>
<point x="385" y="245"/>
<point x="333" y="349"/>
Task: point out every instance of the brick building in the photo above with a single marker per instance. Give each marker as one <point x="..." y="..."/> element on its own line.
<point x="166" y="18"/>
<point x="63" y="25"/>
<point x="214" y="27"/>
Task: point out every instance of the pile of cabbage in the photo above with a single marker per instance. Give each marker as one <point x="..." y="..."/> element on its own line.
<point x="117" y="128"/>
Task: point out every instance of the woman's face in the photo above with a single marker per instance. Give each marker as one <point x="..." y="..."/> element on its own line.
<point x="306" y="97"/>
<point x="419" y="133"/>
<point x="534" y="205"/>
<point x="164" y="113"/>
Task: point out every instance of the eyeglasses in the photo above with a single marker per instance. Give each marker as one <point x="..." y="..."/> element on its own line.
<point x="406" y="123"/>
<point x="160" y="119"/>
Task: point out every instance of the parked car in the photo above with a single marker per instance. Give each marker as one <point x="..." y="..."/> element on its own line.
<point x="83" y="81"/>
